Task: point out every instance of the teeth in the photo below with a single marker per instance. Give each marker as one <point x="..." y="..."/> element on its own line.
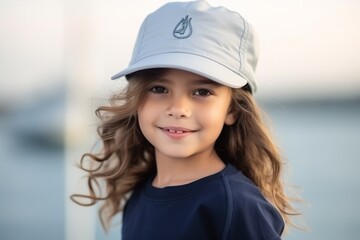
<point x="175" y="131"/>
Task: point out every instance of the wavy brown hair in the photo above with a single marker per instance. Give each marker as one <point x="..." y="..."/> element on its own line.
<point x="127" y="159"/>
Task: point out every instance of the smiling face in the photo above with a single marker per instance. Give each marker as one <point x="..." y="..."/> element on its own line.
<point x="183" y="114"/>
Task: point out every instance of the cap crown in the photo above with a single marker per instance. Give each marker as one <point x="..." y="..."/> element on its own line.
<point x="205" y="34"/>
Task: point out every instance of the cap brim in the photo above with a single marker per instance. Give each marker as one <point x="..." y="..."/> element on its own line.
<point x="188" y="62"/>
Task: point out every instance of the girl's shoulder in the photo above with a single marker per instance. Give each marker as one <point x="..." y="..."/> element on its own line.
<point x="240" y="186"/>
<point x="248" y="206"/>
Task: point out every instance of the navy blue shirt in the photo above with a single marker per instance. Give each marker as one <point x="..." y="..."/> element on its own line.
<point x="226" y="205"/>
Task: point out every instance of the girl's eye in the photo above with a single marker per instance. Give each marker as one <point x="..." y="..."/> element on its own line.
<point x="202" y="92"/>
<point x="158" y="90"/>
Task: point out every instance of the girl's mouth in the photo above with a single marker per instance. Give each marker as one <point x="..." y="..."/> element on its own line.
<point x="176" y="129"/>
<point x="177" y="132"/>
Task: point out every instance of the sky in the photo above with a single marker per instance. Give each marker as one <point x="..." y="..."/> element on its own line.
<point x="308" y="48"/>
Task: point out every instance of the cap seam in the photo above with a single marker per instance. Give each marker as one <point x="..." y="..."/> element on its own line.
<point x="241" y="52"/>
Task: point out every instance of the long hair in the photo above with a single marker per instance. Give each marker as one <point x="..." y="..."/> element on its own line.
<point x="127" y="159"/>
<point x="249" y="146"/>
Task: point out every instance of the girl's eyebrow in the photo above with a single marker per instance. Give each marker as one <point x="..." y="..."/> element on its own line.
<point x="205" y="81"/>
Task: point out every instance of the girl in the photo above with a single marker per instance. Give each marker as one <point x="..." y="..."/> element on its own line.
<point x="185" y="152"/>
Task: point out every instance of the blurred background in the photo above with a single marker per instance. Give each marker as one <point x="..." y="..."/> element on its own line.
<point x="56" y="60"/>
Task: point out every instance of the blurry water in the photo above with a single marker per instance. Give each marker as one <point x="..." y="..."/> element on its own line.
<point x="321" y="141"/>
<point x="32" y="199"/>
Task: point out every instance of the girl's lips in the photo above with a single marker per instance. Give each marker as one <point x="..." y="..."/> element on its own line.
<point x="177" y="132"/>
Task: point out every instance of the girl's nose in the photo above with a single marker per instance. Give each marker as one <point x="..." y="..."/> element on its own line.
<point x="179" y="107"/>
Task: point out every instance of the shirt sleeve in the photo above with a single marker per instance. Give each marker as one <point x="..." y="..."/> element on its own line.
<point x="253" y="217"/>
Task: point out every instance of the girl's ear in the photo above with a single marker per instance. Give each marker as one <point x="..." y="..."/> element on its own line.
<point x="230" y="118"/>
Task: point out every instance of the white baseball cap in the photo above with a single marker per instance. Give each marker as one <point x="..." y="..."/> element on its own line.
<point x="213" y="42"/>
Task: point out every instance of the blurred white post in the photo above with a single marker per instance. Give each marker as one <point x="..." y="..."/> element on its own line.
<point x="81" y="73"/>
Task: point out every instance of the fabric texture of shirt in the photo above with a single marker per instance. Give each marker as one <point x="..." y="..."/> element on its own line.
<point x="225" y="205"/>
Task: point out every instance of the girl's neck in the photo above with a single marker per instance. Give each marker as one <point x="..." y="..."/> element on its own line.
<point x="175" y="172"/>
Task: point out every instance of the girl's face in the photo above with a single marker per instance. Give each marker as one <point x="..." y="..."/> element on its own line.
<point x="183" y="114"/>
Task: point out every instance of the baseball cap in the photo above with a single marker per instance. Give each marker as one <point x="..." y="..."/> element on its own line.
<point x="213" y="42"/>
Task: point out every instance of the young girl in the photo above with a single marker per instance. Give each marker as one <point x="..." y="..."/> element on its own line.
<point x="185" y="152"/>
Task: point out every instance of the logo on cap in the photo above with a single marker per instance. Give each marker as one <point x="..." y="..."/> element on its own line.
<point x="183" y="29"/>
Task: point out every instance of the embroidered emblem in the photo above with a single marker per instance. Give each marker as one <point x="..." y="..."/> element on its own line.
<point x="183" y="29"/>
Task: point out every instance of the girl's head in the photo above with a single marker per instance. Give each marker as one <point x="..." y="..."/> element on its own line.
<point x="214" y="45"/>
